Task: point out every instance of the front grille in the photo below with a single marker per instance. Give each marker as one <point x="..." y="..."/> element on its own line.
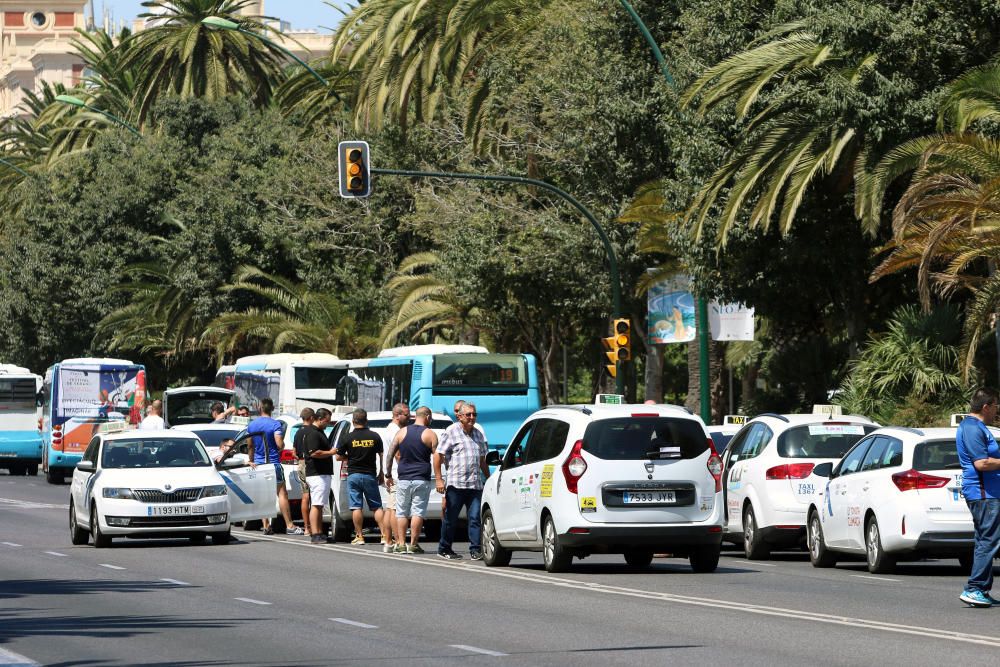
<point x="167" y="521"/>
<point x="176" y="496"/>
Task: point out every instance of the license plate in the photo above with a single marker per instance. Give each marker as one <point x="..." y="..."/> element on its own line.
<point x="645" y="497"/>
<point x="168" y="510"/>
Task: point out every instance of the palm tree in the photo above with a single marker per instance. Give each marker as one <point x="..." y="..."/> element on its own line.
<point x="303" y="95"/>
<point x="295" y="317"/>
<point x="181" y="56"/>
<point x="786" y="143"/>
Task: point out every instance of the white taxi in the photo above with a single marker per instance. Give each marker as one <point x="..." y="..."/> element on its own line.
<point x="583" y="479"/>
<point x="768" y="482"/>
<point x="143" y="484"/>
<point x="897" y="495"/>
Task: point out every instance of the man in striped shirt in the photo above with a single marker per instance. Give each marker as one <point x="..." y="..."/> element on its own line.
<point x="463" y="450"/>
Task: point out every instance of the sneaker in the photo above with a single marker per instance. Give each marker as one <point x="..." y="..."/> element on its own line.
<point x="992" y="599"/>
<point x="358" y="539"/>
<point x="317" y="539"/>
<point x="399" y="549"/>
<point x="975" y="599"/>
<point x="414" y="549"/>
<point x="268" y="531"/>
<point x="476" y="555"/>
<point x="387" y="548"/>
<point x="294" y="531"/>
<point x="449" y="555"/>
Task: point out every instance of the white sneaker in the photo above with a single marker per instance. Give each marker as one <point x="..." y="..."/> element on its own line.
<point x="386" y="548"/>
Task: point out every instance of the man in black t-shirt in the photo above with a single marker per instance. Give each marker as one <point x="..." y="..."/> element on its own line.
<point x="362" y="449"/>
<point x="318" y="454"/>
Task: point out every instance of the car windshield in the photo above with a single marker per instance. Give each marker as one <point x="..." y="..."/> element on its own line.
<point x="721" y="440"/>
<point x="154" y="453"/>
<point x="213" y="437"/>
<point x="936" y="455"/>
<point x="193" y="407"/>
<point x="824" y="440"/>
<point x="629" y="438"/>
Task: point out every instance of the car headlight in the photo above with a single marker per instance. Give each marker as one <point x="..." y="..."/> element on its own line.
<point x="120" y="494"/>
<point x="213" y="491"/>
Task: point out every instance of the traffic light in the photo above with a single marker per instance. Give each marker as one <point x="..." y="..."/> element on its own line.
<point x="611" y="350"/>
<point x="623" y="339"/>
<point x="354" y="169"/>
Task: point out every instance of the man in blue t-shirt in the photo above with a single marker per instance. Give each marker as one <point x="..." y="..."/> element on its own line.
<point x="980" y="458"/>
<point x="266" y="443"/>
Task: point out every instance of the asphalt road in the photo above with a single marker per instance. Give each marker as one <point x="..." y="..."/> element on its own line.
<point x="281" y="601"/>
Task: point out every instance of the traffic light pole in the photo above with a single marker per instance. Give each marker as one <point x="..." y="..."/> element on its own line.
<point x="702" y="310"/>
<point x="616" y="283"/>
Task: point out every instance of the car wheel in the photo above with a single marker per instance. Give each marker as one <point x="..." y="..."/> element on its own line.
<point x="705" y="558"/>
<point x="639" y="557"/>
<point x="556" y="557"/>
<point x="17" y="469"/>
<point x="965" y="562"/>
<point x="432" y="530"/>
<point x="101" y="541"/>
<point x="198" y="539"/>
<point x="878" y="561"/>
<point x="494" y="555"/>
<point x="221" y="538"/>
<point x="341" y="529"/>
<point x="753" y="545"/>
<point x="53" y="477"/>
<point x="278" y="525"/>
<point x="33" y="469"/>
<point x="77" y="535"/>
<point x="819" y="555"/>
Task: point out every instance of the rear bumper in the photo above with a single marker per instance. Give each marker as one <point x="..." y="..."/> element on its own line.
<point x="666" y="537"/>
<point x="784" y="535"/>
<point x="946" y="542"/>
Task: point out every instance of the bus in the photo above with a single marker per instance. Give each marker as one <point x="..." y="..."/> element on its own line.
<point x="78" y="395"/>
<point x="292" y="381"/>
<point x="504" y="387"/>
<point x="20" y="441"/>
<point x="225" y="377"/>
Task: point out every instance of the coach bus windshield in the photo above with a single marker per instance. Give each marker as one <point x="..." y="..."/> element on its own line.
<point x="462" y="372"/>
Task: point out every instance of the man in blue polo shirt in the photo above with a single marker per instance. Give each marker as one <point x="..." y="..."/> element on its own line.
<point x="265" y="449"/>
<point x="980" y="458"/>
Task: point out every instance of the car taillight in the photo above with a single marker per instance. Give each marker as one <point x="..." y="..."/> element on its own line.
<point x="789" y="471"/>
<point x="574" y="466"/>
<point x="912" y="480"/>
<point x="715" y="465"/>
<point x="57" y="437"/>
<point x="287" y="456"/>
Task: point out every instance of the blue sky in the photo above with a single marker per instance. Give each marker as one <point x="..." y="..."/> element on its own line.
<point x="314" y="14"/>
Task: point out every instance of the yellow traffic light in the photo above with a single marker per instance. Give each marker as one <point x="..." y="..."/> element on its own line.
<point x="353" y="163"/>
<point x="611" y="351"/>
<point x="623" y="339"/>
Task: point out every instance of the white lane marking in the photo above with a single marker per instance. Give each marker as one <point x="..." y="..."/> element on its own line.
<point x="28" y="505"/>
<point x="56" y="553"/>
<point x="11" y="544"/>
<point x="111" y="567"/>
<point x="11" y="659"/>
<point x="252" y="601"/>
<point x="356" y="624"/>
<point x="176" y="582"/>
<point x="755" y="564"/>
<point x="831" y="619"/>
<point x="865" y="576"/>
<point x="473" y="649"/>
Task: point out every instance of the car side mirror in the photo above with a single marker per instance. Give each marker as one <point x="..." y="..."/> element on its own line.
<point x="823" y="470"/>
<point x="234" y="461"/>
<point x="85" y="466"/>
<point x="493" y="458"/>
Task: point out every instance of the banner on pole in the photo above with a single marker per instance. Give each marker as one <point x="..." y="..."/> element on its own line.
<point x="671" y="311"/>
<point x="730" y="321"/>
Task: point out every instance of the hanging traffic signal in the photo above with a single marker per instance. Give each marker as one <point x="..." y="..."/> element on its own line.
<point x="611" y="351"/>
<point x="354" y="169"/>
<point x="623" y="339"/>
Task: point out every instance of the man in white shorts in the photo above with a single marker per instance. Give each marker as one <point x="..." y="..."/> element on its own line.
<point x="319" y="470"/>
<point x="400" y="418"/>
<point x="415" y="444"/>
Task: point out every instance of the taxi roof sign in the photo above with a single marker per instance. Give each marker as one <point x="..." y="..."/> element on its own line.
<point x="735" y="420"/>
<point x="116" y="426"/>
<point x="239" y="420"/>
<point x="956" y="419"/>
<point x="609" y="399"/>
<point x="828" y="410"/>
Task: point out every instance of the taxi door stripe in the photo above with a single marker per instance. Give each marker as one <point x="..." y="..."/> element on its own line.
<point x="240" y="493"/>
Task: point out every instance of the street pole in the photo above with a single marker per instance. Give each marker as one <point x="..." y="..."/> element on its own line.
<point x="616" y="284"/>
<point x="77" y="102"/>
<point x="702" y="310"/>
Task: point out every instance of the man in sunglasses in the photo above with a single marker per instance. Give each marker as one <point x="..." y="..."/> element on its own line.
<point x="463" y="450"/>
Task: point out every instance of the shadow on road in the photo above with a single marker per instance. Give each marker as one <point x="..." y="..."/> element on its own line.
<point x="14" y="624"/>
<point x="17" y="588"/>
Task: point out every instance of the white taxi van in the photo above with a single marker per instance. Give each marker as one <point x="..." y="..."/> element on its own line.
<point x="143" y="484"/>
<point x="768" y="480"/>
<point x="897" y="495"/>
<point x="583" y="479"/>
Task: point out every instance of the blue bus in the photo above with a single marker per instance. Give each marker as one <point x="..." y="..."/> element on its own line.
<point x="20" y="439"/>
<point x="78" y="395"/>
<point x="504" y="387"/>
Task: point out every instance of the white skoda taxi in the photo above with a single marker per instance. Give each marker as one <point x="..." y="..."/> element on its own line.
<point x="162" y="484"/>
<point x="768" y="481"/>
<point x="583" y="479"/>
<point x="897" y="495"/>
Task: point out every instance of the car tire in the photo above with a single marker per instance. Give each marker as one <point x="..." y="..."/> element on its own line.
<point x="965" y="562"/>
<point x="77" y="534"/>
<point x="555" y="556"/>
<point x="639" y="558"/>
<point x="819" y="555"/>
<point x="198" y="539"/>
<point x="341" y="529"/>
<point x="221" y="538"/>
<point x="101" y="541"/>
<point x="253" y="525"/>
<point x="878" y="561"/>
<point x="753" y="545"/>
<point x="17" y="470"/>
<point x="432" y="530"/>
<point x="705" y="559"/>
<point x="33" y="470"/>
<point x="53" y="477"/>
<point x="494" y="555"/>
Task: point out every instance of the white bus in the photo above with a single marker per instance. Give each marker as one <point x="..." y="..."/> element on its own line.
<point x="292" y="381"/>
<point x="20" y="438"/>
